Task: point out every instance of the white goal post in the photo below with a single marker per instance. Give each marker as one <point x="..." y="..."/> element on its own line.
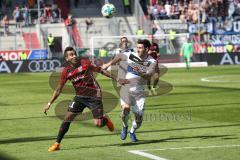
<point x="171" y="42"/>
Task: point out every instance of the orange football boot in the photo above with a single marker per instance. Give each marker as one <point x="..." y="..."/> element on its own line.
<point x="54" y="147"/>
<point x="109" y="124"/>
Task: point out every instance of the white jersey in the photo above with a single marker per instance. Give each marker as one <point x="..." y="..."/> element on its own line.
<point x="131" y="60"/>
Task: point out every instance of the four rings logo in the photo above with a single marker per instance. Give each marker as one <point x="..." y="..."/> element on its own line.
<point x="29" y="66"/>
<point x="44" y="65"/>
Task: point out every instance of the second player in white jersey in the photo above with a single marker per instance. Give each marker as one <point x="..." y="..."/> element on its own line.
<point x="136" y="68"/>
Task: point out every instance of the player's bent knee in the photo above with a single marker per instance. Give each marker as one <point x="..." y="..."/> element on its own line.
<point x="138" y="112"/>
<point x="125" y="112"/>
<point x="69" y="117"/>
<point x="126" y="108"/>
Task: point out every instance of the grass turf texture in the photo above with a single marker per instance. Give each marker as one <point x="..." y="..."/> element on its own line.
<point x="194" y="113"/>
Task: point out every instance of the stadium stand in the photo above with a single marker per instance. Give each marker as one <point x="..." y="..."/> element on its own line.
<point x="31" y="40"/>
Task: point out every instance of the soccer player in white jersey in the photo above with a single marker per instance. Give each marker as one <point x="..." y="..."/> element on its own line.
<point x="137" y="68"/>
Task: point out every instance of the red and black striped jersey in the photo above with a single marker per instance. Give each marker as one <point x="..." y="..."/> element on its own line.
<point x="82" y="78"/>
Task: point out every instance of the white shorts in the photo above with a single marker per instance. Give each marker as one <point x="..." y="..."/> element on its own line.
<point x="133" y="97"/>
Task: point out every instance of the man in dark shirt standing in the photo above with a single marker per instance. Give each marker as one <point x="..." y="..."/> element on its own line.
<point x="88" y="93"/>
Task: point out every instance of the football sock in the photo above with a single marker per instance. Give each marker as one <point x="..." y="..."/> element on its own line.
<point x="136" y="123"/>
<point x="103" y="121"/>
<point x="62" y="131"/>
<point x="134" y="127"/>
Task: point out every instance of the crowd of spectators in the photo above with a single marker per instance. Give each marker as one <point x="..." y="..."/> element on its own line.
<point x="25" y="13"/>
<point x="189" y="10"/>
<point x="50" y="13"/>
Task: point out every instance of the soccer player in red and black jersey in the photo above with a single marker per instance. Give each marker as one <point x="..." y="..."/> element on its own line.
<point x="88" y="93"/>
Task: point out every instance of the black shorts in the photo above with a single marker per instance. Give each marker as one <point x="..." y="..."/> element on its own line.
<point x="94" y="104"/>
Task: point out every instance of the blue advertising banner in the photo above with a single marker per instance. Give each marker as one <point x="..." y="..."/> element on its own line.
<point x="38" y="54"/>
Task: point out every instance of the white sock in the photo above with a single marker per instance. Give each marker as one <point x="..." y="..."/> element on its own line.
<point x="134" y="127"/>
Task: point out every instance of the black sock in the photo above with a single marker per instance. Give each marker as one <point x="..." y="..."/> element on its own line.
<point x="62" y="131"/>
<point x="104" y="121"/>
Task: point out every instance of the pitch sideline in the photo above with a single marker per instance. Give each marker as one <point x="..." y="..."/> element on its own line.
<point x="151" y="156"/>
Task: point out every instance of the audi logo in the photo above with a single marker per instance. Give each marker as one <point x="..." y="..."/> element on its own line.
<point x="44" y="65"/>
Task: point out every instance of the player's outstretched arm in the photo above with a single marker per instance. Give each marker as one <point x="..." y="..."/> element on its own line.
<point x="114" y="61"/>
<point x="55" y="95"/>
<point x="120" y="81"/>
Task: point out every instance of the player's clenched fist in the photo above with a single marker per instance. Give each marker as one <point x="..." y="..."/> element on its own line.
<point x="46" y="108"/>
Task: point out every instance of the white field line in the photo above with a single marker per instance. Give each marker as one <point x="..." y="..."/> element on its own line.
<point x="212" y="79"/>
<point x="151" y="156"/>
<point x="218" y="79"/>
<point x="147" y="155"/>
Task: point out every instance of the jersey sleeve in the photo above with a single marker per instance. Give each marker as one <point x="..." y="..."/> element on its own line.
<point x="152" y="67"/>
<point x="92" y="67"/>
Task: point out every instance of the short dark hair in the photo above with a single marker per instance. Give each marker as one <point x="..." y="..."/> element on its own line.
<point x="123" y="38"/>
<point x="146" y="43"/>
<point x="68" y="49"/>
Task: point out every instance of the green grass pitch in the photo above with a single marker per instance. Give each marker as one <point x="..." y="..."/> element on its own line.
<point x="194" y="114"/>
